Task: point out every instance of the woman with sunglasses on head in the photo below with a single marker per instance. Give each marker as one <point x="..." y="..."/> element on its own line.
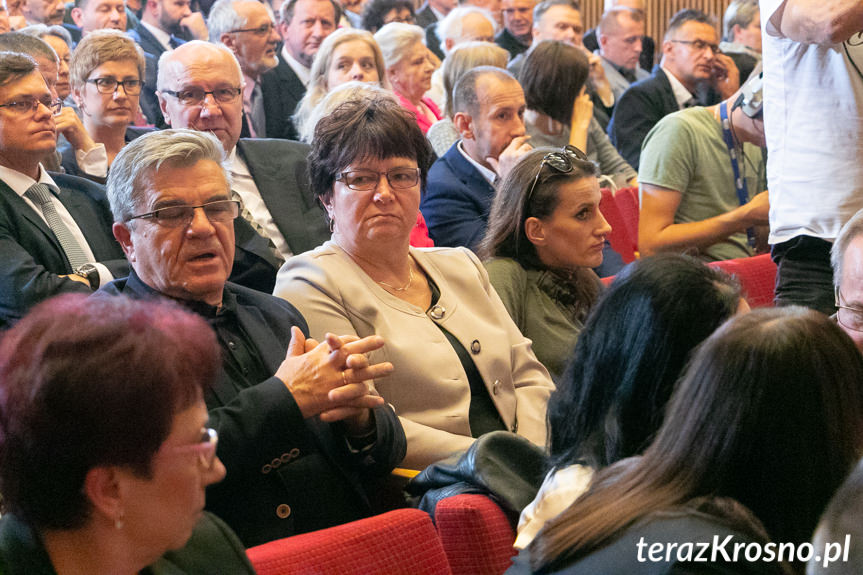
<point x="106" y="73"/>
<point x="559" y="112"/>
<point x="461" y="367"/>
<point x="545" y="234"/>
<point x="105" y="452"/>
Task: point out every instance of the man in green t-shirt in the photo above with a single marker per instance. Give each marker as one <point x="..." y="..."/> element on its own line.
<point x="690" y="201"/>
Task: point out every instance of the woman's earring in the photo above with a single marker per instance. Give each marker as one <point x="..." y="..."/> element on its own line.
<point x="332" y="224"/>
<point x="118" y="521"/>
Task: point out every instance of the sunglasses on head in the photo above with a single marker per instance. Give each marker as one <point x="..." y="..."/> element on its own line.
<point x="560" y="161"/>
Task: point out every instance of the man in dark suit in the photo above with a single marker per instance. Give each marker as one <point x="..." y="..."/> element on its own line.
<point x="54" y="230"/>
<point x="489" y="108"/>
<point x="165" y="24"/>
<point x="269" y="176"/>
<point x="299" y="427"/>
<point x="648" y="46"/>
<point x="517" y="33"/>
<point x="433" y="11"/>
<point x="692" y="72"/>
<point x="303" y="24"/>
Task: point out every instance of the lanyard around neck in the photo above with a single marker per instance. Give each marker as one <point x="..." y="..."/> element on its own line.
<point x="739" y="181"/>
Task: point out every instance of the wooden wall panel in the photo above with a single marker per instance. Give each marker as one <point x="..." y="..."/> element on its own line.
<point x="659" y="12"/>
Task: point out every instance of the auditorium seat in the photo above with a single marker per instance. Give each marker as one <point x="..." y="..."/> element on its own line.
<point x="757" y="277"/>
<point x="401" y="541"/>
<point x="476" y="534"/>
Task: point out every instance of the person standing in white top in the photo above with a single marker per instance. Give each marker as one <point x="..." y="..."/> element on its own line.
<point x="813" y="119"/>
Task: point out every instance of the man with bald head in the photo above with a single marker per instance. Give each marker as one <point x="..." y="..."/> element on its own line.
<point x="488" y="106"/>
<point x="200" y="86"/>
<point x="648" y="46"/>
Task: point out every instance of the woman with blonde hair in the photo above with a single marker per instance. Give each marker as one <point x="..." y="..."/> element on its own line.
<point x="346" y="55"/>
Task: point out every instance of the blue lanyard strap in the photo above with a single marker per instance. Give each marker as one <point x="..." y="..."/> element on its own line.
<point x="739" y="181"/>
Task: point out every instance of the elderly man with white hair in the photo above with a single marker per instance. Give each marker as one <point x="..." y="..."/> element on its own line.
<point x="247" y="28"/>
<point x="463" y="24"/>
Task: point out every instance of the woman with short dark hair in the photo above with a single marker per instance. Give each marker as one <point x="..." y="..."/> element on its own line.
<point x="104" y="449"/>
<point x="462" y="368"/>
<point x="559" y="112"/>
<point x="766" y="421"/>
<point x="379" y="13"/>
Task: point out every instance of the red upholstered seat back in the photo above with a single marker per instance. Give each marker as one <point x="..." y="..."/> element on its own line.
<point x="476" y="534"/>
<point x="618" y="211"/>
<point x="757" y="276"/>
<point x="401" y="541"/>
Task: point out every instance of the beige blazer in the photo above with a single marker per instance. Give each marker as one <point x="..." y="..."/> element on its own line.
<point x="428" y="388"/>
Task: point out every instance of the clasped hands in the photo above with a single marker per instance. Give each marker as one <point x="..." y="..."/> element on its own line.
<point x="333" y="378"/>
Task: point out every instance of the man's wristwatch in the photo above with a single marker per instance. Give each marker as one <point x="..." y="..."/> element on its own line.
<point x="90" y="272"/>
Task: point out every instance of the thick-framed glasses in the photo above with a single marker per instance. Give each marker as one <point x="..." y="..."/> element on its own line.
<point x="262" y="30"/>
<point x="367" y="180"/>
<point x="847" y="316"/>
<point x="559" y="161"/>
<point x="196" y="96"/>
<point x="699" y="45"/>
<point x="30" y="105"/>
<point x="109" y="85"/>
<point x="221" y="211"/>
<point x="206" y="448"/>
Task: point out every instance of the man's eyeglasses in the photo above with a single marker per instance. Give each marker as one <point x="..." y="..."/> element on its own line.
<point x="196" y="96"/>
<point x="25" y="105"/>
<point x="560" y="161"/>
<point x="367" y="180"/>
<point x="263" y="30"/>
<point x="220" y="211"/>
<point x="109" y="85"/>
<point x="206" y="448"/>
<point x="848" y="317"/>
<point x="699" y="45"/>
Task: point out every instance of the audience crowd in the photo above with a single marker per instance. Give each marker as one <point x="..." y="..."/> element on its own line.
<point x="260" y="260"/>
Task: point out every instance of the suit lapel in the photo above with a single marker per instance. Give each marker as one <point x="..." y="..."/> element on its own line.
<point x="668" y="99"/>
<point x="20" y="207"/>
<point x="272" y="176"/>
<point x="466" y="172"/>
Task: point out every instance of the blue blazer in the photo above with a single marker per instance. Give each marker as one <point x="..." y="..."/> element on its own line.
<point x="31" y="258"/>
<point x="456" y="202"/>
<point x="286" y="475"/>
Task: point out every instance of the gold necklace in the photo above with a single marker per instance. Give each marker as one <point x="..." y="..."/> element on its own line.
<point x="406" y="286"/>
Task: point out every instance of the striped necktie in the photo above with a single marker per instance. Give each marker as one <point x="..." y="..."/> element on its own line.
<point x="40" y="194"/>
<point x="247" y="215"/>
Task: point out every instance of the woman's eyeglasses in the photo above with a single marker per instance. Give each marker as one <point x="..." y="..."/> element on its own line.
<point x="560" y="161"/>
<point x="205" y="448"/>
<point x="367" y="180"/>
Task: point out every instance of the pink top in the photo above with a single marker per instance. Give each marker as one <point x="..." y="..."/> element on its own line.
<point x="422" y="120"/>
<point x="420" y="234"/>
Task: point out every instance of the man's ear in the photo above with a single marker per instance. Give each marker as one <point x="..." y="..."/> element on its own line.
<point x="78" y="17"/>
<point x="535" y="231"/>
<point x="124" y="237"/>
<point x="228" y="40"/>
<point x="163" y="106"/>
<point x="464" y="124"/>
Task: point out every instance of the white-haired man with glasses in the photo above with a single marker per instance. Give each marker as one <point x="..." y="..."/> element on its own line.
<point x="200" y="86"/>
<point x="55" y="230"/>
<point x="846" y="257"/>
<point x="299" y="427"/>
<point x="247" y="28"/>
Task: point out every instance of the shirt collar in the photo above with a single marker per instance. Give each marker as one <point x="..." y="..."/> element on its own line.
<point x="20" y="183"/>
<point x="681" y="94"/>
<point x="303" y="73"/>
<point x="487" y="174"/>
<point x="237" y="166"/>
<point x="135" y="286"/>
